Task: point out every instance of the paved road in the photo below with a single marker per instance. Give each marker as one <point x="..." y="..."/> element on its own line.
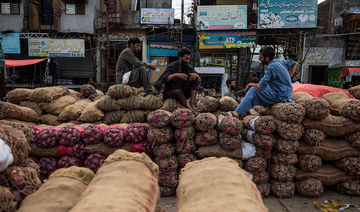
<point x="295" y="204"/>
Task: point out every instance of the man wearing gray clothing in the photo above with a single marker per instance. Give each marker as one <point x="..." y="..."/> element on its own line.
<point x="127" y="61"/>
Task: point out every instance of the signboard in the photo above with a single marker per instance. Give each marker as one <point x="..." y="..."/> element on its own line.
<point x="287" y="14"/>
<point x="352" y="63"/>
<point x="215" y="17"/>
<point x="355" y="10"/>
<point x="333" y="78"/>
<point x="156" y="16"/>
<point x="11" y="43"/>
<point x="227" y="39"/>
<point x="47" y="47"/>
<point x="125" y="36"/>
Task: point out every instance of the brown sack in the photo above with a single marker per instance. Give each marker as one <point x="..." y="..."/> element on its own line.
<point x="217" y="184"/>
<point x="316" y="108"/>
<point x="348" y="107"/>
<point x="151" y="102"/>
<point x="171" y="105"/>
<point x="113" y="116"/>
<point x="301" y="97"/>
<point x="73" y="112"/>
<point x="208" y="104"/>
<point x="91" y="113"/>
<point x="120" y="91"/>
<point x="103" y="149"/>
<point x="333" y="125"/>
<point x="33" y="105"/>
<point x="288" y="112"/>
<point x="329" y="175"/>
<point x="50" y="120"/>
<point x="12" y="111"/>
<point x="75" y="94"/>
<point x="47" y="94"/>
<point x="60" y="192"/>
<point x="133" y="116"/>
<point x="227" y="103"/>
<point x="355" y="91"/>
<point x="132" y="103"/>
<point x="18" y="94"/>
<point x="125" y="182"/>
<point x="330" y="149"/>
<point x="56" y="106"/>
<point x="106" y="103"/>
<point x="218" y="151"/>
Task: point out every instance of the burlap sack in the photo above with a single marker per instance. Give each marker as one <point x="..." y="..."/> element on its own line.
<point x="60" y="192"/>
<point x="283" y="189"/>
<point x="33" y="105"/>
<point x="132" y="103"/>
<point x="219" y="191"/>
<point x="50" y="119"/>
<point x="113" y="116"/>
<point x="24" y="127"/>
<point x="350" y="187"/>
<point x="103" y="149"/>
<point x="120" y="91"/>
<point x="355" y="91"/>
<point x="8" y="200"/>
<point x="73" y="112"/>
<point x="18" y="94"/>
<point x="313" y="136"/>
<point x="289" y="131"/>
<point x="310" y="187"/>
<point x="329" y="175"/>
<point x="227" y="103"/>
<point x="133" y="116"/>
<point x="218" y="151"/>
<point x="333" y="125"/>
<point x="56" y="106"/>
<point x="12" y="111"/>
<point x="75" y="94"/>
<point x="282" y="172"/>
<point x="91" y="113"/>
<point x="208" y="104"/>
<point x="301" y="97"/>
<point x="158" y="118"/>
<point x="348" y="107"/>
<point x="125" y="182"/>
<point x="330" y="149"/>
<point x="151" y="102"/>
<point x="48" y="94"/>
<point x="205" y="121"/>
<point x="261" y="124"/>
<point x="171" y="105"/>
<point x="107" y="103"/>
<point x="288" y="112"/>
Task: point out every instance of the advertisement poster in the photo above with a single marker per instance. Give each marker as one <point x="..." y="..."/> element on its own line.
<point x="333" y="78"/>
<point x="11" y="43"/>
<point x="287" y="14"/>
<point x="156" y="16"/>
<point x="219" y="17"/>
<point x="227" y="39"/>
<point x="47" y="47"/>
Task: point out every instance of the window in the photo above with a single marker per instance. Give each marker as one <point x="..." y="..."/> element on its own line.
<point x="75" y="7"/>
<point x="10" y="7"/>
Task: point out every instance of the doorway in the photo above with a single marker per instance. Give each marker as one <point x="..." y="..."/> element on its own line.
<point x="318" y="75"/>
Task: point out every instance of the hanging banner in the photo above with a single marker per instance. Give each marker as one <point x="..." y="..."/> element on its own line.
<point x="227" y="39"/>
<point x="287" y="14"/>
<point x="11" y="43"/>
<point x="47" y="47"/>
<point x="215" y="17"/>
<point x="333" y="78"/>
<point x="156" y="16"/>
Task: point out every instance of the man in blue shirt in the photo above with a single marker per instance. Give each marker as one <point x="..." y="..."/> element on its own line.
<point x="274" y="87"/>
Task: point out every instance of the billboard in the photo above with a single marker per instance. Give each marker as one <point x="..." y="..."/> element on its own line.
<point x="287" y="14"/>
<point x="219" y="17"/>
<point x="156" y="15"/>
<point x="47" y="47"/>
<point x="11" y="43"/>
<point x="227" y="39"/>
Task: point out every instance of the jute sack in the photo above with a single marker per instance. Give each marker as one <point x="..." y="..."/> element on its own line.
<point x="329" y="175"/>
<point x="120" y="91"/>
<point x="208" y="104"/>
<point x="333" y="125"/>
<point x="151" y="102"/>
<point x="107" y="103"/>
<point x="348" y="107"/>
<point x="47" y="94"/>
<point x="113" y="116"/>
<point x="23" y="126"/>
<point x="125" y="182"/>
<point x="91" y="113"/>
<point x="33" y="105"/>
<point x="206" y="185"/>
<point x="301" y="97"/>
<point x="330" y="149"/>
<point x="12" y="111"/>
<point x="18" y="94"/>
<point x="171" y="105"/>
<point x="75" y="94"/>
<point x="132" y="103"/>
<point x="50" y="119"/>
<point x="355" y="91"/>
<point x="227" y="103"/>
<point x="56" y="106"/>
<point x="288" y="112"/>
<point x="133" y="116"/>
<point x="60" y="192"/>
<point x="73" y="112"/>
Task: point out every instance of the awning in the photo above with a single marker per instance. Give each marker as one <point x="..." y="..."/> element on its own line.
<point x="14" y="63"/>
<point x="352" y="71"/>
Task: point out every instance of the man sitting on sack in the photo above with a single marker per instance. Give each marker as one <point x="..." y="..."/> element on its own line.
<point x="130" y="70"/>
<point x="181" y="81"/>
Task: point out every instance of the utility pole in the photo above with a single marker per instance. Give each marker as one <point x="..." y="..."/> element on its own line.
<point x="181" y="23"/>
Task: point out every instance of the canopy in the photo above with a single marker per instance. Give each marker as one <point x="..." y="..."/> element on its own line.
<point x="352" y="71"/>
<point x="14" y="63"/>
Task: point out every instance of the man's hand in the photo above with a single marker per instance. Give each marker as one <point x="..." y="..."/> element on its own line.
<point x="248" y="86"/>
<point x="182" y="76"/>
<point x="151" y="66"/>
<point x="194" y="76"/>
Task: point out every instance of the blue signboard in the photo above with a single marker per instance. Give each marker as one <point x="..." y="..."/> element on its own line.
<point x="227" y="39"/>
<point x="287" y="14"/>
<point x="11" y="43"/>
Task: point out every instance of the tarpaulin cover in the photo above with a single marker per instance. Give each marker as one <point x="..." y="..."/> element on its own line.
<point x="318" y="90"/>
<point x="14" y="63"/>
<point x="352" y="71"/>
